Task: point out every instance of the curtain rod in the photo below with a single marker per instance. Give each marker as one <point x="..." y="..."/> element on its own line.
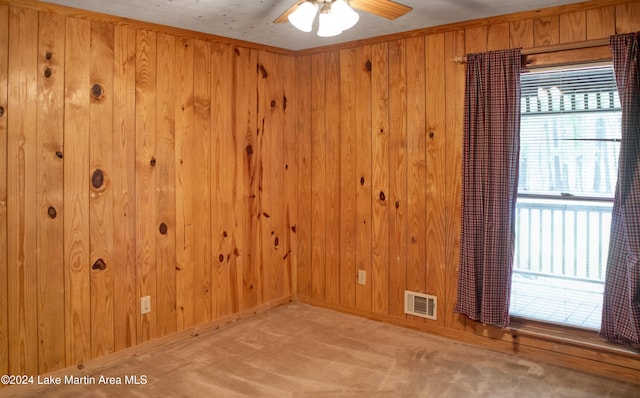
<point x="550" y="49"/>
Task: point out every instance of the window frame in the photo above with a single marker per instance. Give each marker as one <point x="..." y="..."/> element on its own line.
<point x="523" y="322"/>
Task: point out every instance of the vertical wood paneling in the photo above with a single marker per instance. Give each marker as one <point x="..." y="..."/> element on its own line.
<point x="202" y="182"/>
<point x="22" y="192"/>
<point x="165" y="173"/>
<point x="268" y="119"/>
<point x="276" y="233"/>
<point x="249" y="166"/>
<point x="289" y="105"/>
<point x="498" y="36"/>
<point x="416" y="173"/>
<point x="573" y="27"/>
<point x="303" y="227"/>
<point x="101" y="192"/>
<point x="454" y="43"/>
<point x="146" y="227"/>
<point x="348" y="179"/>
<point x="4" y="75"/>
<point x="319" y="190"/>
<point x="226" y="215"/>
<point x="125" y="297"/>
<point x="476" y="39"/>
<point x="436" y="170"/>
<point x="380" y="178"/>
<point x="521" y="33"/>
<point x="362" y="131"/>
<point x="600" y="22"/>
<point x="332" y="177"/>
<point x="546" y="31"/>
<point x="628" y="17"/>
<point x="185" y="184"/>
<point x="50" y="124"/>
<point x="76" y="191"/>
<point x="397" y="176"/>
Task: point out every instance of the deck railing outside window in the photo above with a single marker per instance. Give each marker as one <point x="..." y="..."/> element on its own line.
<point x="562" y="238"/>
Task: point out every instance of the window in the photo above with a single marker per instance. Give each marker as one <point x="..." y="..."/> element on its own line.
<point x="570" y="139"/>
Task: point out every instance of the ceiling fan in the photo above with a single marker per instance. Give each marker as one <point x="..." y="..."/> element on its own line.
<point x="337" y="16"/>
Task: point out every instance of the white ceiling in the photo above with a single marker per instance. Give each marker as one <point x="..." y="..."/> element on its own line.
<point x="252" y="20"/>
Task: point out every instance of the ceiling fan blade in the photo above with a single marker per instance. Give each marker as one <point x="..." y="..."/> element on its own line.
<point x="384" y="8"/>
<point x="283" y="17"/>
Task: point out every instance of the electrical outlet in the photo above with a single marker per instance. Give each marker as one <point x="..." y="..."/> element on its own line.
<point x="145" y="305"/>
<point x="362" y="277"/>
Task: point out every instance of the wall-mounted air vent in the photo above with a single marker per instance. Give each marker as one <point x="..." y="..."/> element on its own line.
<point x="420" y="304"/>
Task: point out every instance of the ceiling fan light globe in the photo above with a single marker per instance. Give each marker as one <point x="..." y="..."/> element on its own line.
<point x="302" y="18"/>
<point x="329" y="25"/>
<point x="345" y="14"/>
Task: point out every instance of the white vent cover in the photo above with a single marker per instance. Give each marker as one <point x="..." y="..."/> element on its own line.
<point x="420" y="304"/>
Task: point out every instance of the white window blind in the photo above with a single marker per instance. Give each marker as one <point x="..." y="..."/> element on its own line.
<point x="569" y="133"/>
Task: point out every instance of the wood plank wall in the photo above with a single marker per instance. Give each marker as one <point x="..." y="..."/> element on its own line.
<point x="398" y="155"/>
<point x="136" y="162"/>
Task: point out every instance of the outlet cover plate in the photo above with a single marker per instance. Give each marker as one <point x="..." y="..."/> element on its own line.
<point x="362" y="277"/>
<point x="145" y="305"/>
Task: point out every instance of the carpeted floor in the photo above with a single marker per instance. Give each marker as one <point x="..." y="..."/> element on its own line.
<point x="302" y="351"/>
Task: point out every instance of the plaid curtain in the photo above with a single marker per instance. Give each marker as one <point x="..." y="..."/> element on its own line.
<point x="621" y="303"/>
<point x="489" y="185"/>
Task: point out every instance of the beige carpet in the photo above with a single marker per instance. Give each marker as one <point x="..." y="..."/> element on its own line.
<point x="303" y="351"/>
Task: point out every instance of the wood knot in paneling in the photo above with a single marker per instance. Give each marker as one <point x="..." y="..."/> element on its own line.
<point x="59" y="154"/>
<point x="293" y="228"/>
<point x="263" y="71"/>
<point x="236" y="252"/>
<point x="99" y="265"/>
<point x="273" y="103"/>
<point x="397" y="204"/>
<point x="284" y="102"/>
<point x="1" y="111"/>
<point x="432" y="134"/>
<point x="266" y="215"/>
<point x="382" y="196"/>
<point x="361" y="180"/>
<point x="97" y="179"/>
<point x="97" y="91"/>
<point x="152" y="162"/>
<point x="163" y="228"/>
<point x="47" y="72"/>
<point x="221" y="258"/>
<point x="249" y="150"/>
<point x="367" y="66"/>
<point x="224" y="234"/>
<point x="51" y="211"/>
<point x="276" y="241"/>
<point x="48" y="55"/>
